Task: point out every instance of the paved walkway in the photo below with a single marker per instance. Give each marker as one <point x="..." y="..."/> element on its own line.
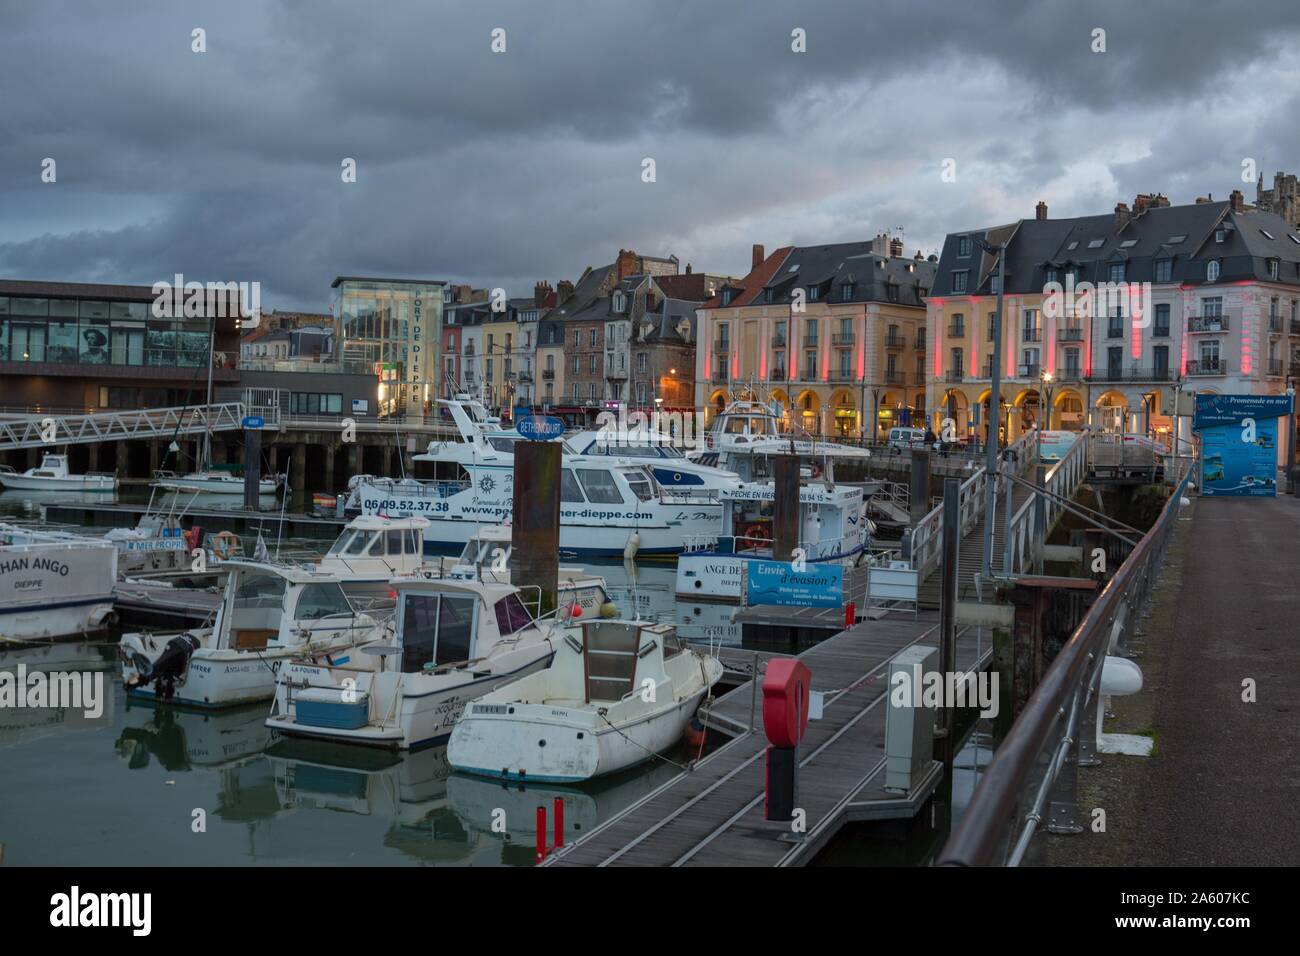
<point x="1224" y="785"/>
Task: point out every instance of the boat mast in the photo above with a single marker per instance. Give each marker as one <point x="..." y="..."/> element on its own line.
<point x="207" y="416"/>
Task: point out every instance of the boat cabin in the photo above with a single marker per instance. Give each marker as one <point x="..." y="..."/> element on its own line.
<point x="267" y="605"/>
<point x="445" y="624"/>
<point x="377" y="543"/>
<point x="620" y="656"/>
<point x="831" y="521"/>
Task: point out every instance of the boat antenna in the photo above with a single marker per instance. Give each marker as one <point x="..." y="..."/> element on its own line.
<point x="284" y="500"/>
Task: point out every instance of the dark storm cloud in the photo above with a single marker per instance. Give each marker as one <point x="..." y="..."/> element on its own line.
<point x="502" y="169"/>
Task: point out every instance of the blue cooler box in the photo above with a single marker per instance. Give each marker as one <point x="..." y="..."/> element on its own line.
<point x="325" y="707"/>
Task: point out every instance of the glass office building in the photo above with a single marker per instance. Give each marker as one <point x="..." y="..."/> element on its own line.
<point x="77" y="345"/>
<point x="393" y="326"/>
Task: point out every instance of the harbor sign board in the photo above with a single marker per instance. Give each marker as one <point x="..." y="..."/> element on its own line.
<point x="778" y="582"/>
<point x="1239" y="443"/>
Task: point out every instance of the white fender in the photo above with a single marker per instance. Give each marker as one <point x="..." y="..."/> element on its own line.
<point x="632" y="547"/>
<point x="1120" y="677"/>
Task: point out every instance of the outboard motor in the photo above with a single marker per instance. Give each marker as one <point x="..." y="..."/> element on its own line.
<point x="169" y="667"/>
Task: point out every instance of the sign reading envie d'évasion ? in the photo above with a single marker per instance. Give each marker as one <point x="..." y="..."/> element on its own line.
<point x="1239" y="443"/>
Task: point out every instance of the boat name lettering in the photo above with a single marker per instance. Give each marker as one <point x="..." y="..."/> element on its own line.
<point x="34" y="564"/>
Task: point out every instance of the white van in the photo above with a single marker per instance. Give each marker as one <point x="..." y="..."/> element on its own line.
<point x="907" y="438"/>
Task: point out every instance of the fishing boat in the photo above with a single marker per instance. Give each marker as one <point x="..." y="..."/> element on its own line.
<point x="609" y="506"/>
<point x="616" y="696"/>
<point x="269" y="613"/>
<point x="54" y="584"/>
<point x="655" y="449"/>
<point x="454" y="641"/>
<point x="53" y="475"/>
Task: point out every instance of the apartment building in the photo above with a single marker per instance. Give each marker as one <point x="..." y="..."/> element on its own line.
<point x="835" y="333"/>
<point x="1154" y="300"/>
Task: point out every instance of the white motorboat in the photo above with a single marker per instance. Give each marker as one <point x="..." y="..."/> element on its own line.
<point x="833" y="528"/>
<point x="455" y="640"/>
<point x="53" y="475"/>
<point x="609" y="506"/>
<point x="54" y="584"/>
<point x="269" y="613"/>
<point x="211" y="482"/>
<point x="746" y="428"/>
<point x="616" y="697"/>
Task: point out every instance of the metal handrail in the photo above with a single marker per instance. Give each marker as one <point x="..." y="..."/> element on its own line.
<point x="1061" y="481"/>
<point x="1007" y="807"/>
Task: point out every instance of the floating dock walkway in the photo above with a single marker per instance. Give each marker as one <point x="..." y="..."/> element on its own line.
<point x="713" y="814"/>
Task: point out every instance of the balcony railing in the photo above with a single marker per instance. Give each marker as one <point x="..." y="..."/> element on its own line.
<point x="1275" y="323"/>
<point x="1207" y="323"/>
<point x="778" y="341"/>
<point x="778" y="375"/>
<point x="1070" y="373"/>
<point x="895" y="342"/>
<point x="955" y="376"/>
<point x="810" y="341"/>
<point x="895" y="377"/>
<point x="1031" y="335"/>
<point x="1207" y="367"/>
<point x="1070" y="335"/>
<point x="920" y="341"/>
<point x="722" y="345"/>
<point x="957" y="330"/>
<point x="548" y="374"/>
<point x="842" y="375"/>
<point x="720" y="378"/>
<point x="1029" y="371"/>
<point x="1131" y="374"/>
<point x="1275" y="368"/>
<point x="842" y="338"/>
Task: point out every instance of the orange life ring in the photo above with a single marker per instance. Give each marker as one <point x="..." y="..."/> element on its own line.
<point x="225" y="544"/>
<point x="755" y="533"/>
<point x="816" y="469"/>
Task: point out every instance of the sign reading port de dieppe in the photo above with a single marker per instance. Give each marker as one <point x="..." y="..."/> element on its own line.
<point x="540" y="427"/>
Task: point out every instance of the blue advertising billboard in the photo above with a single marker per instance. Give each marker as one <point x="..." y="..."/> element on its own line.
<point x="1239" y="443"/>
<point x="777" y="582"/>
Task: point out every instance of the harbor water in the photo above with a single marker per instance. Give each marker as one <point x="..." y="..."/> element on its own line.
<point x="146" y="784"/>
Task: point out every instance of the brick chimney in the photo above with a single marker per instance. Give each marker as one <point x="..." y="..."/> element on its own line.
<point x="1141" y="202"/>
<point x="1238" y="201"/>
<point x="919" y="255"/>
<point x="895" y="247"/>
<point x="1121" y="214"/>
<point x="563" y="291"/>
<point x="1040" y="211"/>
<point x="541" y="293"/>
<point x="626" y="265"/>
<point x="757" y="256"/>
<point x="688" y="268"/>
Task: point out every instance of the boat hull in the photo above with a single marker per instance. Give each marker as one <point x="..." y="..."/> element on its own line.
<point x="215" y="678"/>
<point x="72" y="483"/>
<point x="423" y="718"/>
<point x="214" y="486"/>
<point x="544" y="743"/>
<point x="710" y="576"/>
<point x="55" y="589"/>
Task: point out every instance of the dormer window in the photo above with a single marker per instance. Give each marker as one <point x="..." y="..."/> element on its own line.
<point x="1049" y="276"/>
<point x="1272" y="268"/>
<point x="1164" y="270"/>
<point x="846" y="292"/>
<point x="963" y="246"/>
<point x="1212" y="271"/>
<point x="769" y="296"/>
<point x="620" y="302"/>
<point x="1220" y="234"/>
<point x="727" y="296"/>
<point x="813" y="293"/>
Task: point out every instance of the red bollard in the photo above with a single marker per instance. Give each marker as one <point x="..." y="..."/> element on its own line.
<point x="559" y="822"/>
<point x="541" y="834"/>
<point x="850" y="615"/>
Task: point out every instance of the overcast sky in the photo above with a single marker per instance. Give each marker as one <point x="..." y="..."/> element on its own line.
<point x="504" y="168"/>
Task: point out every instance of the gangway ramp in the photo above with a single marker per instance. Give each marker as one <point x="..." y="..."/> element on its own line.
<point x="37" y="429"/>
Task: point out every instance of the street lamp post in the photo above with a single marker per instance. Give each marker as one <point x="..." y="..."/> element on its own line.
<point x="993" y="445"/>
<point x="1047" y="393"/>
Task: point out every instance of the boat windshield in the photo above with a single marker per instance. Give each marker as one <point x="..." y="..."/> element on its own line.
<point x="512" y="616"/>
<point x="640" y="483"/>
